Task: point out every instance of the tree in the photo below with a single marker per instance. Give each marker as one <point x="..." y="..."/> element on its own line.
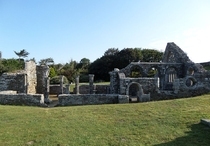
<point x="83" y="64"/>
<point x="128" y="55"/>
<point x="47" y="61"/>
<point x="52" y="72"/>
<point x="111" y="51"/>
<point x="23" y="53"/>
<point x="151" y="55"/>
<point x="119" y="59"/>
<point x="69" y="70"/>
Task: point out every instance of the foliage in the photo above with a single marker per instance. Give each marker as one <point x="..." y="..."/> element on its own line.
<point x="84" y="78"/>
<point x="113" y="58"/>
<point x="47" y="61"/>
<point x="56" y="80"/>
<point x="162" y="123"/>
<point x="52" y="72"/>
<point x="22" y="53"/>
<point x="70" y="71"/>
<point x="151" y="55"/>
<point x="111" y="51"/>
<point x="207" y="68"/>
<point x="11" y="65"/>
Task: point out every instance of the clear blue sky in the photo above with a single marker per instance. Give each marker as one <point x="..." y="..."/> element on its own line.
<point x="74" y="29"/>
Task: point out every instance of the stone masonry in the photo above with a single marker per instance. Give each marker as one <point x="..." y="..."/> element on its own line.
<point x="177" y="76"/>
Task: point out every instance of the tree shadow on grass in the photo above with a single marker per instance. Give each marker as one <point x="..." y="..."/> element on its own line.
<point x="198" y="136"/>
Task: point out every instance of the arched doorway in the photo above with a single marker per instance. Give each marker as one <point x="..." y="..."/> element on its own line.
<point x="134" y="91"/>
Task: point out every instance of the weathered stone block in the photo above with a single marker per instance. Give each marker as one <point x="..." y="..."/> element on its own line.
<point x="123" y="99"/>
<point x="87" y="99"/>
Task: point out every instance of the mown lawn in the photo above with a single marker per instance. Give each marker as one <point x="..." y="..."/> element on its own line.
<point x="160" y="123"/>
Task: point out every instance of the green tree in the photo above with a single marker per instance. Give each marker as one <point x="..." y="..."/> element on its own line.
<point x="23" y="53"/>
<point x="52" y="72"/>
<point x="47" y="61"/>
<point x="69" y="70"/>
<point x="11" y="65"/>
<point x="111" y="51"/>
<point x="113" y="58"/>
<point x="151" y="55"/>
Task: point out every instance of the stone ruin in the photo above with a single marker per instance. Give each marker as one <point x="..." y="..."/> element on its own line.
<point x="25" y="87"/>
<point x="176" y="76"/>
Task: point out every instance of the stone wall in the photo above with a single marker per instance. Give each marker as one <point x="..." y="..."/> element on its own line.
<point x="98" y="89"/>
<point x="23" y="81"/>
<point x="91" y="99"/>
<point x="22" y="99"/>
<point x="55" y="89"/>
<point x="148" y="84"/>
<point x="13" y="81"/>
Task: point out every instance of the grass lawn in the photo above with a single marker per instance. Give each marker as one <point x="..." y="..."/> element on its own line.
<point x="161" y="123"/>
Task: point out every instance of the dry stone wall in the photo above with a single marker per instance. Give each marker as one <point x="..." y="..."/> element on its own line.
<point x="13" y="81"/>
<point x="98" y="89"/>
<point x="22" y="99"/>
<point x="91" y="99"/>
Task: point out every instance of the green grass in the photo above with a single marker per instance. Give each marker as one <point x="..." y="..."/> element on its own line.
<point x="161" y="123"/>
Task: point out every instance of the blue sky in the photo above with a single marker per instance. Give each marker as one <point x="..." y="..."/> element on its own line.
<point x="76" y="29"/>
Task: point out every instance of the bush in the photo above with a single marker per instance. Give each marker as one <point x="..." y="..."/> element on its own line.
<point x="84" y="78"/>
<point x="56" y="80"/>
<point x="11" y="65"/>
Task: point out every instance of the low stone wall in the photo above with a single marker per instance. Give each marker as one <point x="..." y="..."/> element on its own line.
<point x="55" y="89"/>
<point x="99" y="89"/>
<point x="22" y="99"/>
<point x="91" y="99"/>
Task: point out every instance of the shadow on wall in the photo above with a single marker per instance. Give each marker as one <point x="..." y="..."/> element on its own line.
<point x="198" y="136"/>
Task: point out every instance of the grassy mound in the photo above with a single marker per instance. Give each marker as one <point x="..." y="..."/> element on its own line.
<point x="161" y="123"/>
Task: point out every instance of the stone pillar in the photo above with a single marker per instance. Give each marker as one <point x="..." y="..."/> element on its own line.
<point x="47" y="90"/>
<point x="91" y="80"/>
<point x="42" y="72"/>
<point x="61" y="84"/>
<point x="67" y="89"/>
<point x="114" y="81"/>
<point x="77" y="85"/>
<point x="26" y="83"/>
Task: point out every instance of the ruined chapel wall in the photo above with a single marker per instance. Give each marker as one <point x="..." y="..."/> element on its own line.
<point x="42" y="72"/>
<point x="13" y="81"/>
<point x="148" y="84"/>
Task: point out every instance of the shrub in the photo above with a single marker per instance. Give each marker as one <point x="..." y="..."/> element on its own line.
<point x="56" y="80"/>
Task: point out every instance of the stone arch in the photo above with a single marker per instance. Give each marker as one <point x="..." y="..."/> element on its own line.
<point x="170" y="76"/>
<point x="153" y="71"/>
<point x="190" y="82"/>
<point x="190" y="71"/>
<point x="134" y="90"/>
<point x="136" y="71"/>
